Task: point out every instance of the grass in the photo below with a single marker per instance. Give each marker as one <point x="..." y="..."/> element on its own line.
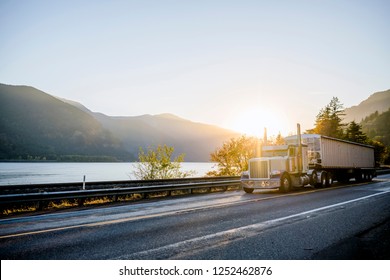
<point x="65" y="204"/>
<point x="61" y="204"/>
<point x="18" y="210"/>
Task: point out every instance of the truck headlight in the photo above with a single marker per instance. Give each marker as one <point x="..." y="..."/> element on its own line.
<point x="245" y="175"/>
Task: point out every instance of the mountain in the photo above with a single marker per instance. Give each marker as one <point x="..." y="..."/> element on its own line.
<point x="36" y="125"/>
<point x="195" y="140"/>
<point x="379" y="101"/>
<point x="377" y="127"/>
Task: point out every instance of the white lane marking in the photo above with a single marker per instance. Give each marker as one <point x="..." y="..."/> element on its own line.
<point x="227" y="236"/>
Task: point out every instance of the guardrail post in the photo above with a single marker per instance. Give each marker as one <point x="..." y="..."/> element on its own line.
<point x="41" y="205"/>
<point x="84" y="183"/>
<point x="80" y="201"/>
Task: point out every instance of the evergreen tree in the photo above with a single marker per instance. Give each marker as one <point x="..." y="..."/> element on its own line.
<point x="381" y="152"/>
<point x="354" y="133"/>
<point x="328" y="120"/>
<point x="279" y="140"/>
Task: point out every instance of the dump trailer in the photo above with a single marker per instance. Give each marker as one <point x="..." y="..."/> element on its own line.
<point x="339" y="160"/>
<point x="308" y="159"/>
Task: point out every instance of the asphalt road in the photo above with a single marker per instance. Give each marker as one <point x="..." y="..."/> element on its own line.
<point x="342" y="222"/>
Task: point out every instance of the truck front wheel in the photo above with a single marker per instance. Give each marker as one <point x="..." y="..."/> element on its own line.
<point x="248" y="190"/>
<point x="314" y="179"/>
<point x="285" y="184"/>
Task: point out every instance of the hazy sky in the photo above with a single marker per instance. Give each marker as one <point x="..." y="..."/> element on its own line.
<point x="237" y="64"/>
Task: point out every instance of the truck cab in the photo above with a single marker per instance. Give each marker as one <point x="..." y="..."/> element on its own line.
<point x="279" y="167"/>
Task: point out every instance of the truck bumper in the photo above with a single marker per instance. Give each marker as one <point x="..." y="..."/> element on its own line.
<point x="261" y="183"/>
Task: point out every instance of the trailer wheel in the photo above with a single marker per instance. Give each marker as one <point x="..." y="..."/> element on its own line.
<point x="329" y="179"/>
<point x="324" y="179"/>
<point x="248" y="190"/>
<point x="285" y="183"/>
<point x="359" y="177"/>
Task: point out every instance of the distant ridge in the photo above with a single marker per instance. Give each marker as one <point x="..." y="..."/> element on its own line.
<point x="36" y="125"/>
<point x="379" y="101"/>
<point x="196" y="140"/>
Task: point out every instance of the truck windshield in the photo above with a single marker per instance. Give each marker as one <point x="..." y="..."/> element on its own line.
<point x="275" y="153"/>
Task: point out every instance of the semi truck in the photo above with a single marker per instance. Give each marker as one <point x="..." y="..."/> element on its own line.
<point x="308" y="159"/>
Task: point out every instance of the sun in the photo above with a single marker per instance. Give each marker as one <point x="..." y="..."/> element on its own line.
<point x="253" y="121"/>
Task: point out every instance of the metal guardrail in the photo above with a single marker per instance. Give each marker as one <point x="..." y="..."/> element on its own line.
<point x="382" y="171"/>
<point x="38" y="193"/>
<point x="31" y="188"/>
<point x="111" y="189"/>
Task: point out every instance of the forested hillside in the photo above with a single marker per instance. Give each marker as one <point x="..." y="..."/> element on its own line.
<point x="377" y="126"/>
<point x="37" y="126"/>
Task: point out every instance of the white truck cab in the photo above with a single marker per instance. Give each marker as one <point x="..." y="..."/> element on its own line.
<point x="282" y="167"/>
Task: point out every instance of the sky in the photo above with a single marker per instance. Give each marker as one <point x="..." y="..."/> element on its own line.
<point x="242" y="65"/>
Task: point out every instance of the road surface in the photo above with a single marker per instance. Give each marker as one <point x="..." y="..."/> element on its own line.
<point x="343" y="222"/>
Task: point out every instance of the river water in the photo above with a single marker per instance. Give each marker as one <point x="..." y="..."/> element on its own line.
<point x="19" y="173"/>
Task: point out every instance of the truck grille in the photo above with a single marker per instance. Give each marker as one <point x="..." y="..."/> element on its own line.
<point x="258" y="169"/>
